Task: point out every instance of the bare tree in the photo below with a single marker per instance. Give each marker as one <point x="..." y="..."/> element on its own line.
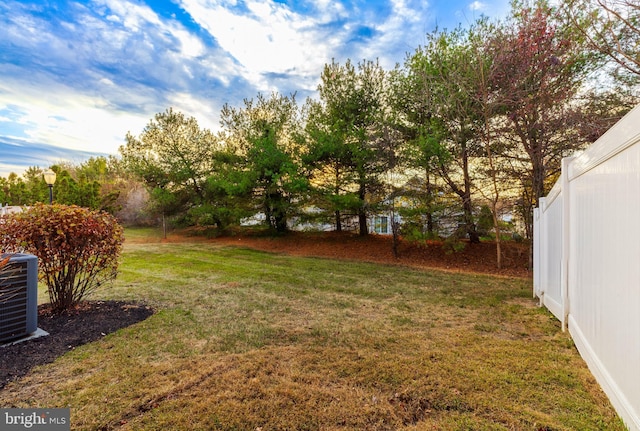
<point x="611" y="27"/>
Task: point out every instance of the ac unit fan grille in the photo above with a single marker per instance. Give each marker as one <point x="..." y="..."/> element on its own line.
<point x="13" y="300"/>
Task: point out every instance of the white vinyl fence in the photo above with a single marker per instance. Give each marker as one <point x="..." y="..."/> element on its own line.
<point x="587" y="260"/>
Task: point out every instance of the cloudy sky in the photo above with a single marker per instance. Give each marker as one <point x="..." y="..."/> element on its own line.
<point x="76" y="76"/>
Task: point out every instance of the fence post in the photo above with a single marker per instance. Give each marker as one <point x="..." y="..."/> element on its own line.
<point x="543" y="239"/>
<point x="536" y="252"/>
<point x="566" y="237"/>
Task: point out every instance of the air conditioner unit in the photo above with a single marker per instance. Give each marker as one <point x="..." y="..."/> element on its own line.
<point x="18" y="297"/>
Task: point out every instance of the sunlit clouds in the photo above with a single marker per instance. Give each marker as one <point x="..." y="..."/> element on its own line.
<point x="75" y="77"/>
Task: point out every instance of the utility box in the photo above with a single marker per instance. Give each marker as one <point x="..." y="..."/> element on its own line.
<point x="18" y="297"/>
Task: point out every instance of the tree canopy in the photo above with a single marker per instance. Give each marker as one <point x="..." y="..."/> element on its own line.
<point x="476" y="117"/>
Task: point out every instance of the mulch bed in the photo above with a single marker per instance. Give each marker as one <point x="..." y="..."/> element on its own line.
<point x="473" y="258"/>
<point x="87" y="322"/>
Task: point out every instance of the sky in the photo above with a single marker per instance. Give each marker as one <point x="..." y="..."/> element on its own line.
<point x="77" y="76"/>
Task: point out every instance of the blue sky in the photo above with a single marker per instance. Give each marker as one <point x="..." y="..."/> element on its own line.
<point x="76" y="76"/>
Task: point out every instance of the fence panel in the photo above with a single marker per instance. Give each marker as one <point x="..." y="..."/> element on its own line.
<point x="550" y="293"/>
<point x="599" y="259"/>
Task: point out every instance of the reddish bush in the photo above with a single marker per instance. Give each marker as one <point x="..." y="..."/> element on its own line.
<point x="77" y="248"/>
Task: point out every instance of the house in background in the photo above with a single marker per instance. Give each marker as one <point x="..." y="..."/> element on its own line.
<point x="8" y="209"/>
<point x="447" y="220"/>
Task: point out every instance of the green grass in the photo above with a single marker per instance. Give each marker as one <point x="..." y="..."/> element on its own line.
<point x="247" y="340"/>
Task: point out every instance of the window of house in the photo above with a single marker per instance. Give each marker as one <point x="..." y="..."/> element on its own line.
<point x="381" y="224"/>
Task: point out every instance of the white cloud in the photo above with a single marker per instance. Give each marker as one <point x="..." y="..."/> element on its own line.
<point x="191" y="46"/>
<point x="202" y="110"/>
<point x="157" y="61"/>
<point x="270" y="39"/>
<point x="65" y="118"/>
<point x="477" y="6"/>
<point x="82" y="78"/>
<point x="132" y="15"/>
<point x="329" y="10"/>
<point x="400" y="32"/>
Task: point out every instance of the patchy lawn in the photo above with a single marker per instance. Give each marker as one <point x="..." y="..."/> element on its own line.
<point x="246" y="340"/>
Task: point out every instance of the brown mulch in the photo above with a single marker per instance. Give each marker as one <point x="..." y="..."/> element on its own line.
<point x="88" y="322"/>
<point x="94" y="319"/>
<point x="474" y="258"/>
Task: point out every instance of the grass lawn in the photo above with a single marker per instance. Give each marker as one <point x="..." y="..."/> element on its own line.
<point x="247" y="340"/>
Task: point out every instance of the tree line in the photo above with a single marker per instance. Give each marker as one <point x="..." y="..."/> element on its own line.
<point x="477" y="116"/>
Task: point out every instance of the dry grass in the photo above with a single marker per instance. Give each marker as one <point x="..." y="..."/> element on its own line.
<point x="247" y="340"/>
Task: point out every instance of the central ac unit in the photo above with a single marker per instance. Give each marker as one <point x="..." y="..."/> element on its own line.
<point x="18" y="297"/>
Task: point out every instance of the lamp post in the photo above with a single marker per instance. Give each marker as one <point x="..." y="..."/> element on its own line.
<point x="50" y="179"/>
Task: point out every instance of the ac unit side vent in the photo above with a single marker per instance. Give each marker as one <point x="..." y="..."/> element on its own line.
<point x="18" y="297"/>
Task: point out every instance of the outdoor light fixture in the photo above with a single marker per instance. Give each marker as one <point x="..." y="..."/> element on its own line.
<point x="50" y="179"/>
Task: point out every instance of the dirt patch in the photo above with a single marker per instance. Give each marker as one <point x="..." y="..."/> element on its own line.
<point x="88" y="322"/>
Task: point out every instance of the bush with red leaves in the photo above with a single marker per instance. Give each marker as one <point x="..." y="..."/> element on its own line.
<point x="77" y="248"/>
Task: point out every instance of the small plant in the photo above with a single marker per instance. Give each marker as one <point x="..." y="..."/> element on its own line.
<point x="415" y="234"/>
<point x="77" y="248"/>
<point x="453" y="243"/>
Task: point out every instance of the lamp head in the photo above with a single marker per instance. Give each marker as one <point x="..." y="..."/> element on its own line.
<point x="49" y="177"/>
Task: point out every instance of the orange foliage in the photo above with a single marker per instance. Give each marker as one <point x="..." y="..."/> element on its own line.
<point x="77" y="248"/>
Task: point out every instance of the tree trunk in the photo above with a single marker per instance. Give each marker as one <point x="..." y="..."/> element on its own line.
<point x="280" y="216"/>
<point x="430" y="223"/>
<point x="164" y="226"/>
<point x="496" y="191"/>
<point x="278" y="212"/>
<point x="429" y="204"/>
<point x="281" y="223"/>
<point x="496" y="224"/>
<point x="362" y="214"/>
<point x="395" y="230"/>
<point x="470" y="226"/>
<point x="464" y="194"/>
<point x="537" y="180"/>
<point x="362" y="222"/>
<point x="268" y="216"/>
<point x="467" y="205"/>
<point x="337" y="192"/>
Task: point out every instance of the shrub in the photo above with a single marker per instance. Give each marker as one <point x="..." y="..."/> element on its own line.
<point x="453" y="244"/>
<point x="485" y="221"/>
<point x="413" y="233"/>
<point x="77" y="248"/>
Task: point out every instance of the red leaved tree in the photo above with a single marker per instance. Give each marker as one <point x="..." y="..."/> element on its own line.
<point x="77" y="248"/>
<point x="537" y="73"/>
